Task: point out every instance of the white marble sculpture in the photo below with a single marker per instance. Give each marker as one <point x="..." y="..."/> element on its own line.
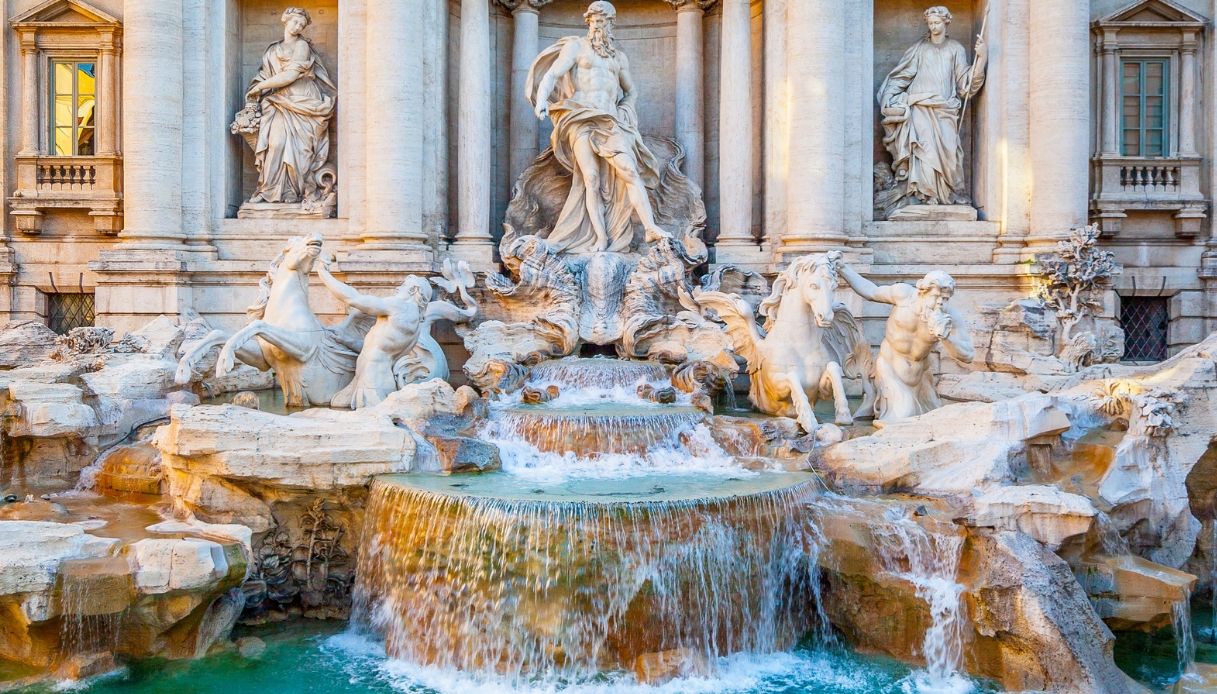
<point x="286" y="121"/>
<point x="583" y="84"/>
<point x="922" y="104"/>
<point x="920" y="319"/>
<point x="399" y="349"/>
<point x="808" y="344"/>
<point x="311" y="361"/>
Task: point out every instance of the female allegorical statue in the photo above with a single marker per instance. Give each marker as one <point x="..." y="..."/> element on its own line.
<point x="922" y="101"/>
<point x="292" y="99"/>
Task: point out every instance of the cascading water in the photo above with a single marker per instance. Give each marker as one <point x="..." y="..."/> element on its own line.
<point x="487" y="574"/>
<point x="930" y="562"/>
<point x="592" y="431"/>
<point x="1181" y="625"/>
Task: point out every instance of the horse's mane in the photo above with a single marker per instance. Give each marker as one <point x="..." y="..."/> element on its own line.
<point x="790" y="278"/>
<point x="257" y="310"/>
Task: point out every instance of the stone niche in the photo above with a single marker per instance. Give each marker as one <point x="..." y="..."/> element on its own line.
<point x="259" y="25"/>
<point x="898" y="24"/>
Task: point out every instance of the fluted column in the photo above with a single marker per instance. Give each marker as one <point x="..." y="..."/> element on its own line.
<point x="1059" y="119"/>
<point x="690" y="86"/>
<point x="524" y="124"/>
<point x="1111" y="96"/>
<point x="775" y="124"/>
<point x="473" y="240"/>
<point x="29" y="94"/>
<point x="152" y="116"/>
<point x="735" y="131"/>
<point x="394" y="144"/>
<point x="1188" y="97"/>
<point x="815" y="191"/>
<point x="107" y="131"/>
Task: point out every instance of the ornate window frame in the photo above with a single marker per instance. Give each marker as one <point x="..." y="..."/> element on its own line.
<point x="1161" y="30"/>
<point x="53" y="31"/>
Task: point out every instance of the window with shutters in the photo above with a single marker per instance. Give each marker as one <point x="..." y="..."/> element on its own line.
<point x="1144" y="118"/>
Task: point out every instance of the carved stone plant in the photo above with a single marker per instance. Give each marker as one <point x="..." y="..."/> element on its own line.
<point x="313" y="571"/>
<point x="1070" y="279"/>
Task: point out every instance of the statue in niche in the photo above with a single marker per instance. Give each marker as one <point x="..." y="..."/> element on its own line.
<point x="286" y="121"/>
<point x="398" y="349"/>
<point x="920" y="319"/>
<point x="583" y="84"/>
<point x="922" y="103"/>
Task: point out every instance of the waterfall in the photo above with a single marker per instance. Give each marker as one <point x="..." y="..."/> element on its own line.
<point x="560" y="591"/>
<point x="1181" y="626"/>
<point x="930" y="562"/>
<point x="1213" y="578"/>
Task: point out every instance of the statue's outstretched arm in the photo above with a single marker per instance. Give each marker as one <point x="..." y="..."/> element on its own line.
<point x="561" y="66"/>
<point x="442" y="310"/>
<point x="371" y="305"/>
<point x="869" y="290"/>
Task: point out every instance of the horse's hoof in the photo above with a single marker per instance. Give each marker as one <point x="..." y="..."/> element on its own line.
<point x="844" y="421"/>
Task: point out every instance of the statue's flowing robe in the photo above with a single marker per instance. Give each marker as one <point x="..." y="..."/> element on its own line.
<point x="294" y="137"/>
<point x="931" y="81"/>
<point x="610" y="134"/>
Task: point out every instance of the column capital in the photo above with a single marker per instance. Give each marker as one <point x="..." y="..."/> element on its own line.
<point x="688" y="5"/>
<point x="28" y="39"/>
<point x="523" y="5"/>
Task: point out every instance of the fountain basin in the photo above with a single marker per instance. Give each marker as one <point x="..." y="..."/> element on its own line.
<point x="594" y="429"/>
<point x="499" y="575"/>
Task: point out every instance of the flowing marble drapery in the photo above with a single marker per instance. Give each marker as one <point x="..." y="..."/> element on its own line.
<point x="293" y="140"/>
<point x="921" y="101"/>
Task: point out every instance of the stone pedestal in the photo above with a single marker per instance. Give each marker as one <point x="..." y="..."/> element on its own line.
<point x="934" y="213"/>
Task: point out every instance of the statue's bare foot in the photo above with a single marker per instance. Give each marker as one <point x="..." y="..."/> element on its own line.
<point x="654" y="233"/>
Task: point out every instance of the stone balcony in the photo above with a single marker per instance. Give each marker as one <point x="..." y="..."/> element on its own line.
<point x="92" y="183"/>
<point x="1170" y="184"/>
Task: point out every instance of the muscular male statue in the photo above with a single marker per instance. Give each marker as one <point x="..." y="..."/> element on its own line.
<point x="403" y="325"/>
<point x="583" y="84"/>
<point x="919" y="320"/>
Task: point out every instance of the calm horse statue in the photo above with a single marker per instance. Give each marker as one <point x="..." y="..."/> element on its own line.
<point x="311" y="361"/>
<point x="808" y="345"/>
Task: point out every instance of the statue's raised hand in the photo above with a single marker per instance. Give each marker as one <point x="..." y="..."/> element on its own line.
<point x="982" y="48"/>
<point x="542" y="110"/>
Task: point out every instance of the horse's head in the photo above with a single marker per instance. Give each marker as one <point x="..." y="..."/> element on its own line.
<point x="816" y="279"/>
<point x="300" y="253"/>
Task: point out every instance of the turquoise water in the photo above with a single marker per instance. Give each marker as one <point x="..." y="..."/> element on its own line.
<point x="307" y="657"/>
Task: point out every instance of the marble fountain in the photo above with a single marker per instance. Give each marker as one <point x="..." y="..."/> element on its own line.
<point x="588" y="504"/>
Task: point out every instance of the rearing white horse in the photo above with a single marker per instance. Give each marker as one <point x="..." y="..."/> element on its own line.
<point x="311" y="361"/>
<point x="808" y="345"/>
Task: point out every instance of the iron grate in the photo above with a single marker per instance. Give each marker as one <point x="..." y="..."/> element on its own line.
<point x="69" y="311"/>
<point x="1144" y="319"/>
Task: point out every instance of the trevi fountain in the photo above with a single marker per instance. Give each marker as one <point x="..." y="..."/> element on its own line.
<point x="608" y="462"/>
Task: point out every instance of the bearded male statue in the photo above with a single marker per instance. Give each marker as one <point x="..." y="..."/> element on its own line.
<point x="920" y="319"/>
<point x="583" y="84"/>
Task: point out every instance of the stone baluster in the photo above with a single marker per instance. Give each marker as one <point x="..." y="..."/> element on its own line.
<point x="29" y="94"/>
<point x="394" y="144"/>
<point x="815" y="188"/>
<point x="107" y="123"/>
<point x="735" y="133"/>
<point x="1188" y="97"/>
<point x="1059" y="120"/>
<point x="152" y="116"/>
<point x="473" y="152"/>
<point x="524" y="124"/>
<point x="690" y="86"/>
<point x="1111" y="96"/>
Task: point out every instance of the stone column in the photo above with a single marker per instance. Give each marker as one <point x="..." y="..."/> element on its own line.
<point x="690" y="86"/>
<point x="107" y="135"/>
<point x="1059" y="119"/>
<point x="473" y="154"/>
<point x="524" y="124"/>
<point x="394" y="118"/>
<point x="1188" y="97"/>
<point x="815" y="188"/>
<point x="29" y="94"/>
<point x="152" y="116"/>
<point x="1111" y="96"/>
<point x="735" y="157"/>
<point x="775" y="126"/>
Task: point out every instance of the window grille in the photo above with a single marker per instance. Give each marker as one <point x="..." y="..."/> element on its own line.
<point x="1144" y="320"/>
<point x="67" y="311"/>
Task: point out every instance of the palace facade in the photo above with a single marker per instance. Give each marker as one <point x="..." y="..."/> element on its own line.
<point x="127" y="185"/>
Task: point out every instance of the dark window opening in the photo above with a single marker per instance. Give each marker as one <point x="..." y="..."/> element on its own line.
<point x="1144" y="319"/>
<point x="67" y="311"/>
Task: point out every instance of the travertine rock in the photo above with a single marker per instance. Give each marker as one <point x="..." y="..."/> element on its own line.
<point x="32" y="551"/>
<point x="1133" y="593"/>
<point x="1043" y="512"/>
<point x="25" y="343"/>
